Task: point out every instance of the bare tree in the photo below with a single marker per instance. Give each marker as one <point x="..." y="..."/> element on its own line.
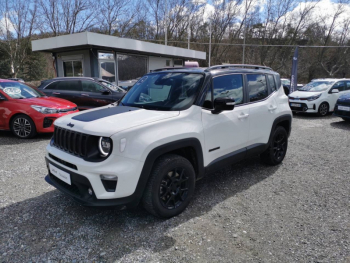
<point x="17" y="25"/>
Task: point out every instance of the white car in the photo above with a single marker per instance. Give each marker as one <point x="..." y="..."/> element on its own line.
<point x="319" y="96"/>
<point x="172" y="128"/>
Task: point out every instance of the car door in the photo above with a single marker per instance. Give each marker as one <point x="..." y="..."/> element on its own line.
<point x="65" y="89"/>
<point x="4" y="111"/>
<point x="333" y="97"/>
<point x="95" y="94"/>
<point x="263" y="108"/>
<point x="226" y="133"/>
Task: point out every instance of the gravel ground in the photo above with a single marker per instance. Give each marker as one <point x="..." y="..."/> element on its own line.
<point x="295" y="212"/>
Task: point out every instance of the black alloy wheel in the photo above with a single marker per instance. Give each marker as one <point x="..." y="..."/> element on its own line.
<point x="170" y="186"/>
<point x="277" y="149"/>
<point x="174" y="188"/>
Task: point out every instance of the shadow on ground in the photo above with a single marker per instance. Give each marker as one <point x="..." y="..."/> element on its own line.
<point x="343" y="125"/>
<point x="52" y="226"/>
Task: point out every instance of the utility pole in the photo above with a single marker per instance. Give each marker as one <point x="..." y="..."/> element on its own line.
<point x="188" y="32"/>
<point x="245" y="29"/>
<point x="209" y="40"/>
<point x="166" y="22"/>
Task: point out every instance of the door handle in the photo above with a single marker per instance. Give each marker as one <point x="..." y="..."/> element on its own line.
<point x="56" y="93"/>
<point x="272" y="108"/>
<point x="243" y="116"/>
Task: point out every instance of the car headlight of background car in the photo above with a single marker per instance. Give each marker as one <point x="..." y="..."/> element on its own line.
<point x="314" y="97"/>
<point x="44" y="110"/>
<point x="105" y="146"/>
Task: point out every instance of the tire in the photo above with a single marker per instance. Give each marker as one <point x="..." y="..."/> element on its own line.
<point x="23" y="126"/>
<point x="278" y="147"/>
<point x="323" y="109"/>
<point x="164" y="195"/>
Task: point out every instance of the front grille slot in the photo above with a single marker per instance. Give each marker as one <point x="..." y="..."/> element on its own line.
<point x="73" y="142"/>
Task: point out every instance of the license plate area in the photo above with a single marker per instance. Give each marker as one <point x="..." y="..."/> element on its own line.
<point x="343" y="108"/>
<point x="295" y="105"/>
<point x="62" y="175"/>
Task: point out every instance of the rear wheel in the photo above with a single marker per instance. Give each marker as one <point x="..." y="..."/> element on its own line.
<point x="278" y="147"/>
<point x="170" y="187"/>
<point x="323" y="109"/>
<point x="23" y="126"/>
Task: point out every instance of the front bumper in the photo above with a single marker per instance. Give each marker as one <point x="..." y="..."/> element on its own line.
<point x="79" y="190"/>
<point x="341" y="113"/>
<point x="303" y="106"/>
<point x="42" y="120"/>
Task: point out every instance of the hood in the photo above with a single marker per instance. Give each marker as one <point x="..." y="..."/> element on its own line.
<point x="344" y="98"/>
<point x="50" y="102"/>
<point x="303" y="94"/>
<point x="106" y="121"/>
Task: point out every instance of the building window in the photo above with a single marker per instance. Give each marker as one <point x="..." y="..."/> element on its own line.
<point x="177" y="62"/>
<point x="107" y="66"/>
<point x="105" y="56"/>
<point x="130" y="69"/>
<point x="167" y="63"/>
<point x="73" y="68"/>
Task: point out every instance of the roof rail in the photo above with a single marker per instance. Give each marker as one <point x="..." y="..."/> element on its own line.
<point x="167" y="68"/>
<point x="238" y="66"/>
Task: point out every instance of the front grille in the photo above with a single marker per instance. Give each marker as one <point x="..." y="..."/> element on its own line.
<point x="67" y="110"/>
<point x="47" y="122"/>
<point x="70" y="165"/>
<point x="75" y="143"/>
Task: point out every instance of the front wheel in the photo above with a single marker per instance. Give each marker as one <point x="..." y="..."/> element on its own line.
<point x="278" y="147"/>
<point x="23" y="127"/>
<point x="323" y="109"/>
<point x="170" y="186"/>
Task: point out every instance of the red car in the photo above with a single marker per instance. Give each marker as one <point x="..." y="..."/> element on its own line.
<point x="26" y="111"/>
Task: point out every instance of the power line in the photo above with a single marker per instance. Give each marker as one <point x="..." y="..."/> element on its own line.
<point x="248" y="45"/>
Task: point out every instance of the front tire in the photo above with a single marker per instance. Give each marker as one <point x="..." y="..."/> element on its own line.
<point x="323" y="109"/>
<point x="170" y="186"/>
<point x="23" y="126"/>
<point x="277" y="149"/>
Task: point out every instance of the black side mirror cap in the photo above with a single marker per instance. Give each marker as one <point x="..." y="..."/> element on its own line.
<point x="223" y="104"/>
<point x="105" y="92"/>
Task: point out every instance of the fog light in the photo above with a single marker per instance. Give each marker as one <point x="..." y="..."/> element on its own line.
<point x="109" y="182"/>
<point x="90" y="191"/>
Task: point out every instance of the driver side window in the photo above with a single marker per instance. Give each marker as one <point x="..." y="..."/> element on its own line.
<point x="339" y="85"/>
<point x="89" y="86"/>
<point x="229" y="86"/>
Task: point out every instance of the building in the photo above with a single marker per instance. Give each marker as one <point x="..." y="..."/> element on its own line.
<point x="119" y="60"/>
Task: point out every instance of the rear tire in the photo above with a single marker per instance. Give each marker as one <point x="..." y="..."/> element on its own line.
<point x="23" y="126"/>
<point x="278" y="147"/>
<point x="323" y="109"/>
<point x="170" y="186"/>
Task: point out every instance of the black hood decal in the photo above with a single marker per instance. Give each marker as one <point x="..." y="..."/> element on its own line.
<point x="103" y="113"/>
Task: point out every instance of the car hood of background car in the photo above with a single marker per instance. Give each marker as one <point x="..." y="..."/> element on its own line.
<point x="49" y="102"/>
<point x="304" y="94"/>
<point x="345" y="98"/>
<point x="106" y="121"/>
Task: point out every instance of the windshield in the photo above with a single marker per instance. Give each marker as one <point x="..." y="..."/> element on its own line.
<point x="111" y="86"/>
<point x="164" y="91"/>
<point x="285" y="81"/>
<point x="316" y="86"/>
<point x="17" y="90"/>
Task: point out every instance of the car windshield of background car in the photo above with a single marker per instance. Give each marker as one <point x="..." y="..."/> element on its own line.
<point x="18" y="90"/>
<point x="317" y="86"/>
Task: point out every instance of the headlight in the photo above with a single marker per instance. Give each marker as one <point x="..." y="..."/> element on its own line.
<point x="44" y="110"/>
<point x="314" y="97"/>
<point x="105" y="146"/>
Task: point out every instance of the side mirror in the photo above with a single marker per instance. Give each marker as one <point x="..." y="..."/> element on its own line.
<point x="105" y="92"/>
<point x="223" y="104"/>
<point x="335" y="91"/>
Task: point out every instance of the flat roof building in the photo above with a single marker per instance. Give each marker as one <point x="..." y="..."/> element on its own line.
<point x="119" y="60"/>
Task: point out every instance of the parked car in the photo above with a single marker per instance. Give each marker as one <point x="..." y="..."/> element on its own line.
<point x="342" y="107"/>
<point x="319" y="96"/>
<point x="170" y="129"/>
<point x="286" y="85"/>
<point x="17" y="79"/>
<point x="25" y="111"/>
<point x="87" y="93"/>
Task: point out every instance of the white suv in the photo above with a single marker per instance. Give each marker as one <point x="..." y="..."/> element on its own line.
<point x="172" y="128"/>
<point x="319" y="96"/>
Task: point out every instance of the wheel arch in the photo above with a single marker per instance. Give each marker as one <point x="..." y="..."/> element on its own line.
<point x="285" y="121"/>
<point x="189" y="148"/>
